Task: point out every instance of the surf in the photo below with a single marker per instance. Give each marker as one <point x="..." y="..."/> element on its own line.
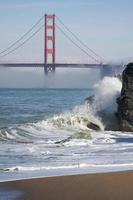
<point x="95" y="115"/>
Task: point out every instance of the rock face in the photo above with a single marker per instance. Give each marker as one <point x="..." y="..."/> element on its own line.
<point x="125" y="101"/>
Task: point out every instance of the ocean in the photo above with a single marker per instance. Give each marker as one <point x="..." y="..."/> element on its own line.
<point x="47" y="132"/>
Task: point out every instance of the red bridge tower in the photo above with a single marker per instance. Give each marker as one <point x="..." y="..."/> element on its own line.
<point x="49" y="44"/>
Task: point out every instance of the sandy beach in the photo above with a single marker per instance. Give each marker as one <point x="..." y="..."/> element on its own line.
<point x="104" y="186"/>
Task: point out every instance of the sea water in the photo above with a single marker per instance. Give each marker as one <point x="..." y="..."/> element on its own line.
<point x="45" y="132"/>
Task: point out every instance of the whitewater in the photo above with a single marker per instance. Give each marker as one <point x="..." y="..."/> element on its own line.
<point x="57" y="132"/>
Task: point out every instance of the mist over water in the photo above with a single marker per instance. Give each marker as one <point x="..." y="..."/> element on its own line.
<point x="35" y="78"/>
<point x="48" y="132"/>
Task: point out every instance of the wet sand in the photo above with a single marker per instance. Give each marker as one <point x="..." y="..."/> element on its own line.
<point x="103" y="186"/>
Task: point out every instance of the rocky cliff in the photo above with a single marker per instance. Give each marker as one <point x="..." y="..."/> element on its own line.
<point x="125" y="101"/>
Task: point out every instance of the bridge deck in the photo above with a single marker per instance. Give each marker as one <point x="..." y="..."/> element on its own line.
<point x="57" y="65"/>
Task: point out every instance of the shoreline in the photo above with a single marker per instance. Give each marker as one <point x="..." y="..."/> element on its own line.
<point x="104" y="186"/>
<point x="66" y="175"/>
<point x="60" y="173"/>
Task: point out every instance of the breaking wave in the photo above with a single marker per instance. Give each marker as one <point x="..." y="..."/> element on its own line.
<point x="105" y="106"/>
<point x="106" y="92"/>
<point x="80" y="121"/>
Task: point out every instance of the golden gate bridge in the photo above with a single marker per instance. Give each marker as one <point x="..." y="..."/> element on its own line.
<point x="50" y="64"/>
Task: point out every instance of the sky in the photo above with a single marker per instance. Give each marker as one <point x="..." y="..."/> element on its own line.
<point x="105" y="26"/>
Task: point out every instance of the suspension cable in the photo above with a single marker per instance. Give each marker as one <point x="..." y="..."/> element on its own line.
<point x="90" y="56"/>
<point x="24" y="42"/>
<point x="22" y="37"/>
<point x="78" y="39"/>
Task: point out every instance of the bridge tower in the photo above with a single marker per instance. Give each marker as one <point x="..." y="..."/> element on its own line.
<point x="49" y="44"/>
